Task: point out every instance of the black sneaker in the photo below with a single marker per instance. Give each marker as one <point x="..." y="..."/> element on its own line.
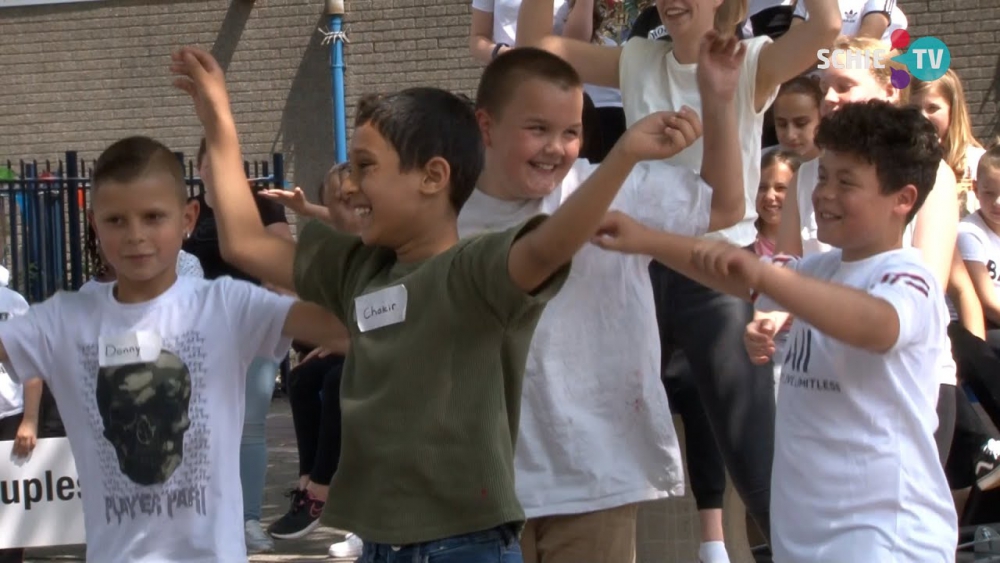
<point x="302" y="517"/>
<point x="988" y="466"/>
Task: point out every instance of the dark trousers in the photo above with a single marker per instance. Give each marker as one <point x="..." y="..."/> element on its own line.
<point x="705" y="466"/>
<point x="314" y="394"/>
<point x="737" y="396"/>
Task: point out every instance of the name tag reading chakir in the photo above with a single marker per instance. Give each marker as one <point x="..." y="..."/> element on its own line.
<point x="380" y="308"/>
<point x="142" y="346"/>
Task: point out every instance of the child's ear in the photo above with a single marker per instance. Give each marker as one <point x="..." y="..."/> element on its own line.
<point x="190" y="216"/>
<point x="485" y="122"/>
<point x="437" y="175"/>
<point x="906" y="199"/>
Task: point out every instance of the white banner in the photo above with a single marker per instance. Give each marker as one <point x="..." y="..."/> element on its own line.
<point x="12" y="3"/>
<point x="40" y="503"/>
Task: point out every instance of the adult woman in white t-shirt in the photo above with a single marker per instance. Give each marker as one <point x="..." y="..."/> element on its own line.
<point x="707" y="325"/>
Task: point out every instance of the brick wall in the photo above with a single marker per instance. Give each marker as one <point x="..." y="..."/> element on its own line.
<point x="79" y="76"/>
<point x="969" y="29"/>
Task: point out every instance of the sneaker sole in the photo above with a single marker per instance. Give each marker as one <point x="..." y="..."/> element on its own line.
<point x="989" y="481"/>
<point x="296" y="535"/>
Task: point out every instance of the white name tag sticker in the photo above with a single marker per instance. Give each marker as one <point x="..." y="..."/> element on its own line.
<point x="138" y="347"/>
<point x="380" y="308"/>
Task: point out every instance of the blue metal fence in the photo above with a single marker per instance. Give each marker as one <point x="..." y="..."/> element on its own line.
<point x="44" y="225"/>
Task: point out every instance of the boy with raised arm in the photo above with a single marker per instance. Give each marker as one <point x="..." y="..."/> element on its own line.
<point x="439" y="327"/>
<point x="856" y="469"/>
<point x="595" y="355"/>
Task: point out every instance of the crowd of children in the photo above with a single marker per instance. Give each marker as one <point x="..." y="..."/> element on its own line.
<point x="814" y="308"/>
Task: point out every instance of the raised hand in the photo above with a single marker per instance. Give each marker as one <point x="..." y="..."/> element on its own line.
<point x="759" y="340"/>
<point x="722" y="260"/>
<point x="621" y="233"/>
<point x="661" y="135"/>
<point x="292" y="199"/>
<point x="719" y="62"/>
<point x="199" y="74"/>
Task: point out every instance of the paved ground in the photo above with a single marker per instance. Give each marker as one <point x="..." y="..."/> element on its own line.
<point x="281" y="476"/>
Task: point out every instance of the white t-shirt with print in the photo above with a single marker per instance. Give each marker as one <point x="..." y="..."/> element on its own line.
<point x="856" y="473"/>
<point x="12" y="304"/>
<point x="156" y="444"/>
<point x="596" y="431"/>
<point x="652" y="80"/>
<point x="806" y="179"/>
<point x="977" y="242"/>
<point x="505" y="17"/>
<point x="853" y="11"/>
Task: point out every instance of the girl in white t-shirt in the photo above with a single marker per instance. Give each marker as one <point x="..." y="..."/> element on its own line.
<point x="943" y="102"/>
<point x="656" y="76"/>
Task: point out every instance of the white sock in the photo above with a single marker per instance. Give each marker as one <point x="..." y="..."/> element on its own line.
<point x="713" y="552"/>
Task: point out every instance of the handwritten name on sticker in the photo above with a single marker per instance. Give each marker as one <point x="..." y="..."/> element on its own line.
<point x="381" y="308"/>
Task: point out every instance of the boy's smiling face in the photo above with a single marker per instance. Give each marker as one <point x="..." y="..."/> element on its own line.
<point x="851" y="211"/>
<point x="536" y="138"/>
<point x="987" y="188"/>
<point x="389" y="202"/>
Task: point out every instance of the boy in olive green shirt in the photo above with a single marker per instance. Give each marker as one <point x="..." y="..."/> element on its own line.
<point x="439" y="328"/>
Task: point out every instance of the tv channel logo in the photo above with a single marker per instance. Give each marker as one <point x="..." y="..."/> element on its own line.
<point x="926" y="59"/>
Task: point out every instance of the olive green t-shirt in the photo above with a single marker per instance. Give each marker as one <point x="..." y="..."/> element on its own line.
<point x="431" y="389"/>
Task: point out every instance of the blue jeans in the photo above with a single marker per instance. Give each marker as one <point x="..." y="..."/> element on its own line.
<point x="253" y="446"/>
<point x="498" y="545"/>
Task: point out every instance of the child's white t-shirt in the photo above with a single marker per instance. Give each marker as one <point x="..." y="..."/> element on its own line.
<point x="856" y="473"/>
<point x="806" y="180"/>
<point x="652" y="80"/>
<point x="853" y="11"/>
<point x="156" y="444"/>
<point x="505" y="17"/>
<point x="12" y="304"/>
<point x="977" y="242"/>
<point x="596" y="430"/>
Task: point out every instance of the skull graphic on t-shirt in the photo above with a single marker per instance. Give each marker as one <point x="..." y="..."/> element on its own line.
<point x="144" y="407"/>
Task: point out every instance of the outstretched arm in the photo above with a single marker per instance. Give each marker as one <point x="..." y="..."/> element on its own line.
<point x="936" y="225"/>
<point x="597" y="64"/>
<point x="847" y="314"/>
<point x="310" y="323"/>
<point x="790" y="229"/>
<point x="243" y="239"/>
<point x="795" y="51"/>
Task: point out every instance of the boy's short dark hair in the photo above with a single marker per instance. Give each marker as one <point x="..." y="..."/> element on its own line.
<point x="135" y="157"/>
<point x="899" y="141"/>
<point x="506" y="73"/>
<point x="423" y="123"/>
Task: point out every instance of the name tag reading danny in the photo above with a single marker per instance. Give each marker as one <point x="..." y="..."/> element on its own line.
<point x="134" y="348"/>
<point x="380" y="308"/>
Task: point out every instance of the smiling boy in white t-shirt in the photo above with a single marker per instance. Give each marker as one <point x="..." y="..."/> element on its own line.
<point x="856" y="471"/>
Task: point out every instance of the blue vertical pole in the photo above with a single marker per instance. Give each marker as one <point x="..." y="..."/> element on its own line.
<point x="335" y="9"/>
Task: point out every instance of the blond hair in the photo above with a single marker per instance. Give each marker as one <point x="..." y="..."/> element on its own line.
<point x="958" y="136"/>
<point x="729" y="15"/>
<point x="867" y="47"/>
